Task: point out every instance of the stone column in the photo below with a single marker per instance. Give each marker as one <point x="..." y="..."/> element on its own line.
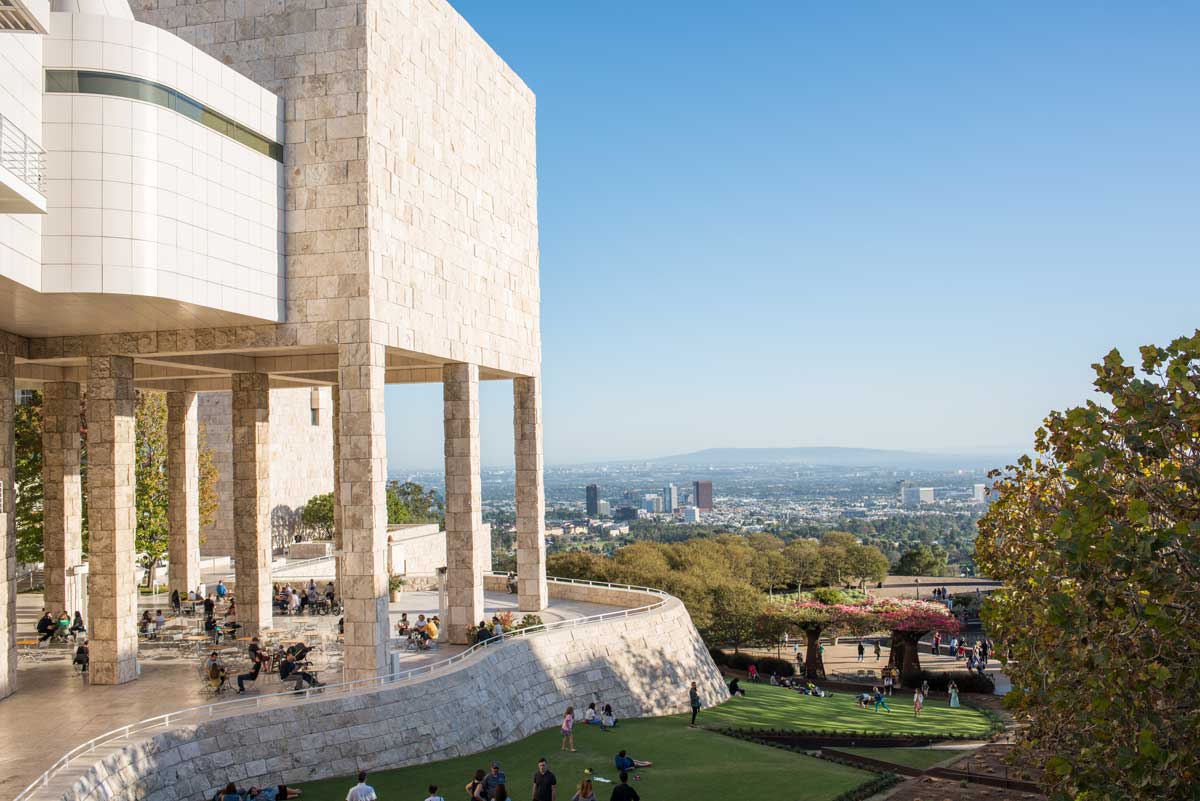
<point x="465" y="546"/>
<point x="62" y="505"/>
<point x="8" y="522"/>
<point x="362" y="476"/>
<point x="252" y="500"/>
<point x="336" y="426"/>
<point x="112" y="583"/>
<point x="531" y="495"/>
<point x="183" y="491"/>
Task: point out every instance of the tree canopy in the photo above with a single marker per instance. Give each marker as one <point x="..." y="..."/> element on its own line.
<point x="1097" y="542"/>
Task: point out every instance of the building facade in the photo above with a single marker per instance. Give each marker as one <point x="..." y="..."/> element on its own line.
<point x="242" y="198"/>
<point x="702" y="495"/>
<point x="593" y="500"/>
<point x="670" y="496"/>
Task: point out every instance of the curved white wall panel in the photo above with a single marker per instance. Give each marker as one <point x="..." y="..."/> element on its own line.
<point x="146" y="200"/>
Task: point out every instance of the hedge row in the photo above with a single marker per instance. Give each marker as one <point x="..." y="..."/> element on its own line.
<point x="766" y="664"/>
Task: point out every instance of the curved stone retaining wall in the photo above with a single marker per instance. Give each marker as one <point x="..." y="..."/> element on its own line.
<point x="642" y="665"/>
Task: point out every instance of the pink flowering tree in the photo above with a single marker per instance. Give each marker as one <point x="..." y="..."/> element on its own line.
<point x="909" y="621"/>
<point x="813" y="618"/>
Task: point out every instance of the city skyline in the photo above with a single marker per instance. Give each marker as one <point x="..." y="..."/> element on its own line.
<point x="890" y="257"/>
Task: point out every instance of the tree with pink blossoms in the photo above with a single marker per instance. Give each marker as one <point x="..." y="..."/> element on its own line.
<point x="909" y="621"/>
<point x="814" y="619"/>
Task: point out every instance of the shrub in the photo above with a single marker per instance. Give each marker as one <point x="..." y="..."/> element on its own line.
<point x="719" y="657"/>
<point x="829" y="595"/>
<point x="529" y="621"/>
<point x="967" y="682"/>
<point x="781" y="667"/>
<point x="740" y="661"/>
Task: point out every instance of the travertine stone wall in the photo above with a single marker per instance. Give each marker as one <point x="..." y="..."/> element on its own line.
<point x="306" y="449"/>
<point x="642" y="665"/>
<point x="112" y="584"/>
<point x="9" y="346"/>
<point x="362" y="474"/>
<point x="251" y="398"/>
<point x="183" y="490"/>
<point x="464" y="504"/>
<point x="530" y="495"/>
<point x="62" y="504"/>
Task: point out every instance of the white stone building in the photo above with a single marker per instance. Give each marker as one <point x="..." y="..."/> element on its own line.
<point x="244" y="198"/>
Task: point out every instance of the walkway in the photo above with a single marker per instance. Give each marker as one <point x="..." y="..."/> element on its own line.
<point x="54" y="709"/>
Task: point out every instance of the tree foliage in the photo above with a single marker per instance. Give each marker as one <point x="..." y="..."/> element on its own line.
<point x="317" y="514"/>
<point x="27" y="430"/>
<point x="922" y="560"/>
<point x="150" y="467"/>
<point x="1097" y="541"/>
<point x="409" y="502"/>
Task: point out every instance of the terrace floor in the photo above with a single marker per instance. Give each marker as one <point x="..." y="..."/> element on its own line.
<point x="55" y="709"/>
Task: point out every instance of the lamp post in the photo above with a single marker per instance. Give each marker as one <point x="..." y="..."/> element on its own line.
<point x="918" y="580"/>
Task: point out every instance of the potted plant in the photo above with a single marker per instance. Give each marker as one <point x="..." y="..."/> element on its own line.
<point x="395" y="585"/>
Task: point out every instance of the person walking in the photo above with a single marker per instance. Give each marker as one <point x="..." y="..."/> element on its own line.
<point x="862" y="651"/>
<point x="474" y="787"/>
<point x="878" y="651"/>
<point x="544" y="783"/>
<point x="694" y="698"/>
<point x="918" y="702"/>
<point x="622" y="791"/>
<point x="493" y="781"/>
<point x="879" y="700"/>
<point x="361" y="791"/>
<point x="568" y="729"/>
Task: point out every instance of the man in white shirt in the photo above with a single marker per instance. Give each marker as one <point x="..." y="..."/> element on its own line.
<point x="361" y="791"/>
<point x="433" y="796"/>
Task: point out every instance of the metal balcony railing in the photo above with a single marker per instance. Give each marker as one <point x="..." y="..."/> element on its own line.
<point x="22" y="156"/>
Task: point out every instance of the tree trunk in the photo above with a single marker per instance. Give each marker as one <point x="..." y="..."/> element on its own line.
<point x="906" y="655"/>
<point x="814" y="666"/>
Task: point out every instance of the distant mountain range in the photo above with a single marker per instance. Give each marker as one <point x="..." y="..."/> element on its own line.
<point x="843" y="457"/>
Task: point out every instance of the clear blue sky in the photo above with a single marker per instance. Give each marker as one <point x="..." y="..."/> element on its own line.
<point x="863" y="224"/>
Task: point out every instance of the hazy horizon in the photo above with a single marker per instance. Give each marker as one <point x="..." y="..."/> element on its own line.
<point x="903" y="227"/>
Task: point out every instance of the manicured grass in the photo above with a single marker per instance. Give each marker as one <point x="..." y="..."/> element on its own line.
<point x="919" y="758"/>
<point x="689" y="764"/>
<point x="767" y="707"/>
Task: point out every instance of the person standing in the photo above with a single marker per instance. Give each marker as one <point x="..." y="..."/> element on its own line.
<point x="474" y="787"/>
<point x="937" y="643"/>
<point x="361" y="791"/>
<point x="878" y="651"/>
<point x="918" y="702"/>
<point x="222" y="590"/>
<point x="433" y="796"/>
<point x="493" y="780"/>
<point x="694" y="698"/>
<point x="584" y="793"/>
<point x="544" y="783"/>
<point x="862" y="651"/>
<point x="953" y="690"/>
<point x="568" y="729"/>
<point x="623" y="792"/>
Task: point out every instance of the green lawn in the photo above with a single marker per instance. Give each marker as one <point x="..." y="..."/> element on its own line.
<point x="767" y="707"/>
<point x="689" y="764"/>
<point x="919" y="758"/>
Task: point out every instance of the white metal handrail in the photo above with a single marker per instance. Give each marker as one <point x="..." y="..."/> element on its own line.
<point x="208" y="711"/>
<point x="22" y="156"/>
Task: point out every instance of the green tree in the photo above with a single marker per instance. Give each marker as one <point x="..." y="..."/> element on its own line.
<point x="409" y="502"/>
<point x="317" y="514"/>
<point x="150" y="467"/>
<point x="866" y="563"/>
<point x="923" y="560"/>
<point x="27" y="431"/>
<point x="735" y="611"/>
<point x="209" y="476"/>
<point x="1097" y="543"/>
<point x="806" y="563"/>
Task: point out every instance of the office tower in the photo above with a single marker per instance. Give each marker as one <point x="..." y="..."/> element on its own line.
<point x="603" y="509"/>
<point x="979" y="493"/>
<point x="926" y="494"/>
<point x="702" y="495"/>
<point x="653" y="504"/>
<point x="670" y="498"/>
<point x="691" y="514"/>
<point x="593" y="500"/>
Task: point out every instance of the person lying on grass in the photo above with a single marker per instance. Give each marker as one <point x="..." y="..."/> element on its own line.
<point x="624" y="762"/>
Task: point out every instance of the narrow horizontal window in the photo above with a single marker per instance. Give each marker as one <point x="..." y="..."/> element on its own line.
<point x="87" y="82"/>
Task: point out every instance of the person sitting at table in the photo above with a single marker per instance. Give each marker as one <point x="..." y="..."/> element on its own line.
<point x="288" y="671"/>
<point x="253" y="648"/>
<point x="624" y="762"/>
<point x="256" y="663"/>
<point x="63" y="628"/>
<point x="159" y="621"/>
<point x="77" y="627"/>
<point x="214" y="669"/>
<point x="145" y="624"/>
<point x="45" y="626"/>
<point x="482" y="633"/>
<point x="231" y="611"/>
<point x="299" y="651"/>
<point x="294" y="603"/>
<point x="303" y="599"/>
<point x="82" y="657"/>
<point x="212" y="628"/>
<point x="210" y="605"/>
<point x="176" y="604"/>
<point x="330" y="593"/>
<point x="402" y="625"/>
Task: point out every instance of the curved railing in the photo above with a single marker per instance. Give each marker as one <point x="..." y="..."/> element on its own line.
<point x="233" y="706"/>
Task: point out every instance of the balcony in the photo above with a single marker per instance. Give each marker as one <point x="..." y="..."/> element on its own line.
<point x="17" y="17"/>
<point x="22" y="171"/>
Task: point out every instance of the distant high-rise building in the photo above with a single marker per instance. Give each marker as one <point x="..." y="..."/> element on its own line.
<point x="625" y="513"/>
<point x="653" y="504"/>
<point x="603" y="509"/>
<point x="914" y="496"/>
<point x="593" y="500"/>
<point x="702" y="495"/>
<point x="670" y="497"/>
<point x="691" y="514"/>
<point x="979" y="493"/>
